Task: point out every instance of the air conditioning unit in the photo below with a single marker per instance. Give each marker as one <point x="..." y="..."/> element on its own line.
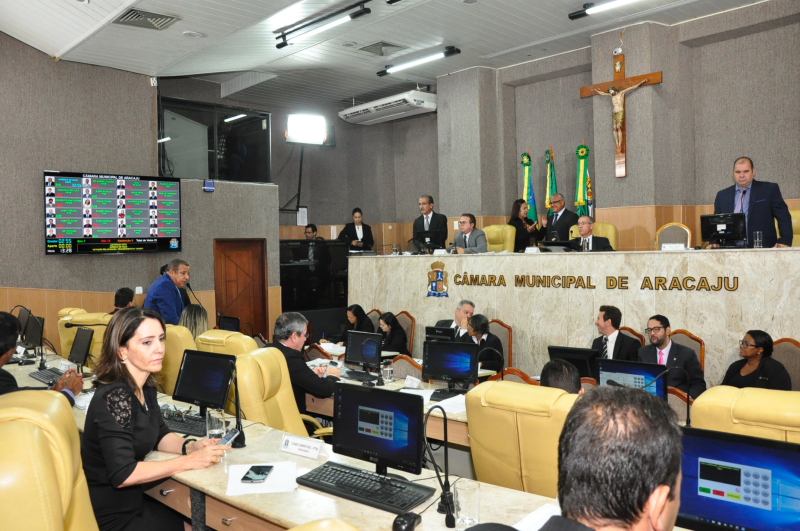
<point x="392" y="108"/>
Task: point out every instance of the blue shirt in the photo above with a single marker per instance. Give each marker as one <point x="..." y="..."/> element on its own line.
<point x="165" y="298"/>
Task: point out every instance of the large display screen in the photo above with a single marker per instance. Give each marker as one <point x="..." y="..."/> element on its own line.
<point x="90" y="213"/>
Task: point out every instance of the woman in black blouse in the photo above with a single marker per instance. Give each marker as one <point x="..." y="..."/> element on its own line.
<point x="124" y="424"/>
<point x="490" y="353"/>
<point x="524" y="225"/>
<point x="358" y="235"/>
<point x="358" y="321"/>
<point x="394" y="337"/>
<point x="757" y="368"/>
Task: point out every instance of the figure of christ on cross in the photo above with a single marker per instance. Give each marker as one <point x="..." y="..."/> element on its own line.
<point x="618" y="109"/>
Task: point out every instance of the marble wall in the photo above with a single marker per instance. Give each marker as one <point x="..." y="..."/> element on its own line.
<point x="542" y="316"/>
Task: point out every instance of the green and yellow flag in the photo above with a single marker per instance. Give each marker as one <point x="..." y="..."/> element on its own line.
<point x="583" y="184"/>
<point x="552" y="185"/>
<point x="527" y="183"/>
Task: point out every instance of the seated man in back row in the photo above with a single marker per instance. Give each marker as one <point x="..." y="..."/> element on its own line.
<point x="464" y="311"/>
<point x="469" y="240"/>
<point x="613" y="344"/>
<point x="688" y="374"/>
<point x="592" y="243"/>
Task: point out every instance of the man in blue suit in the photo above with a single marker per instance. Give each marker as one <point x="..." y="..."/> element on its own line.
<point x="760" y="201"/>
<point x="164" y="295"/>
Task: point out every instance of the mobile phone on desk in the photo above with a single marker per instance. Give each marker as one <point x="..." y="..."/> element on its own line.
<point x="257" y="474"/>
<point x="231" y="435"/>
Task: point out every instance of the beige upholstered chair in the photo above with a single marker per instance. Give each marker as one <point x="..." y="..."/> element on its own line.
<point x="512" y="374"/>
<point x="66" y="336"/>
<point x="674" y="232"/>
<point x="514" y="430"/>
<point x="43" y="485"/>
<point x="405" y="366"/>
<point x="315" y="352"/>
<point x="500" y="238"/>
<point x="328" y="524"/>
<point x="375" y="316"/>
<point x="409" y="325"/>
<point x="225" y="342"/>
<point x="602" y="229"/>
<point x="628" y="331"/>
<point x="787" y="351"/>
<point x="750" y="411"/>
<point x="178" y="340"/>
<point x="677" y="401"/>
<point x="506" y="335"/>
<point x="688" y="339"/>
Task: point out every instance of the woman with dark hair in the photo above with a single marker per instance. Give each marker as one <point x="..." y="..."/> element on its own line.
<point x="490" y="353"/>
<point x="757" y="368"/>
<point x="124" y="424"/>
<point x="394" y="337"/>
<point x="358" y="235"/>
<point x="524" y="225"/>
<point x="358" y="321"/>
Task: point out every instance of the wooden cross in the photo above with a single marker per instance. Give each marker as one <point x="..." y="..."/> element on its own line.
<point x="622" y="85"/>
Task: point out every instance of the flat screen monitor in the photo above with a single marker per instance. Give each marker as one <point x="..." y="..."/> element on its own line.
<point x="432" y="239"/>
<point x="24" y="313"/>
<point x="90" y="213"/>
<point x="633" y="374"/>
<point x="230" y="324"/>
<point x="204" y="379"/>
<point x="738" y="482"/>
<point x="582" y="358"/>
<point x="81" y="346"/>
<point x="440" y="333"/>
<point x="363" y="348"/>
<point x="723" y="227"/>
<point x="453" y="362"/>
<point x="379" y="426"/>
<point x="34" y="331"/>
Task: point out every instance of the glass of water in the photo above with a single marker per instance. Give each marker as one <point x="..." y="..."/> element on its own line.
<point x="468" y="503"/>
<point x="388" y="374"/>
<point x="215" y="423"/>
<point x="758" y="239"/>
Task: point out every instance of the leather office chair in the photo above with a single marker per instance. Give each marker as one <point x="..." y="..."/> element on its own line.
<point x="674" y="232"/>
<point x="328" y="524"/>
<point x="375" y="316"/>
<point x="677" y="401"/>
<point x="688" y="339"/>
<point x="225" y="342"/>
<point x="409" y="325"/>
<point x="514" y="430"/>
<point x="602" y="229"/>
<point x="315" y="352"/>
<point x="43" y="484"/>
<point x="406" y="366"/>
<point x="628" y="331"/>
<point x="787" y="351"/>
<point x="266" y="393"/>
<point x="512" y="374"/>
<point x="750" y="411"/>
<point x="500" y="238"/>
<point x="97" y="322"/>
<point x="506" y="335"/>
<point x="66" y="336"/>
<point x="178" y="339"/>
<point x="795" y="227"/>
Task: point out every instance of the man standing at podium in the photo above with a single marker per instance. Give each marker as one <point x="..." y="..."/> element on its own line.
<point x="164" y="295"/>
<point x="429" y="221"/>
<point x="556" y="227"/>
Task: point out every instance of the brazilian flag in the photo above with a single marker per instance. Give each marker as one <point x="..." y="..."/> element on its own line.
<point x="552" y="185"/>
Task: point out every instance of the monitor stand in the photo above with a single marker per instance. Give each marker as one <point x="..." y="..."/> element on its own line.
<point x="382" y="470"/>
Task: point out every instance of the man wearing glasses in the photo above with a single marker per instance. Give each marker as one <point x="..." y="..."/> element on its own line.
<point x="289" y="336"/>
<point x="469" y="240"/>
<point x="556" y="227"/>
<point x="587" y="241"/>
<point x="688" y="375"/>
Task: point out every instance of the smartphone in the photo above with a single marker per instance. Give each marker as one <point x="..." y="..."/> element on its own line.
<point x="257" y="474"/>
<point x="231" y="435"/>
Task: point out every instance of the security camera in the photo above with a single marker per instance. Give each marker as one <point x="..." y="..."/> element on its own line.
<point x="618" y="51"/>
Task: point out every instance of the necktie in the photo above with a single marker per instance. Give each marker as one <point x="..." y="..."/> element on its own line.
<point x="605" y="346"/>
<point x="466" y="240"/>
<point x="661" y="357"/>
<point x="555" y="218"/>
<point x="311" y="256"/>
<point x="427" y="223"/>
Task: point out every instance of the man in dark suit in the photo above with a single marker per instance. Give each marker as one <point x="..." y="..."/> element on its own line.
<point x="593" y="243"/>
<point x="70" y="384"/>
<point x="668" y="353"/>
<point x="557" y="226"/>
<point x="612" y="343"/>
<point x="429" y="221"/>
<point x="469" y="240"/>
<point x="464" y="312"/>
<point x="760" y="201"/>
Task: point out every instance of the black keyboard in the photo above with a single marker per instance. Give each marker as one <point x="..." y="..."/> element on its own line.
<point x="444" y="394"/>
<point x="192" y="425"/>
<point x="360" y="376"/>
<point x="388" y="494"/>
<point x="47" y="376"/>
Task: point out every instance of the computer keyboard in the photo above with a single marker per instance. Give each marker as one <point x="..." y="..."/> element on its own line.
<point x="444" y="394"/>
<point x="191" y="425"/>
<point x="388" y="494"/>
<point x="48" y="375"/>
<point x="360" y="376"/>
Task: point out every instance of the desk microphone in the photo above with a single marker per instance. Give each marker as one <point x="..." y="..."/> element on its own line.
<point x="73" y="325"/>
<point x="238" y="442"/>
<point x="502" y="359"/>
<point x="664" y="373"/>
<point x="446" y="504"/>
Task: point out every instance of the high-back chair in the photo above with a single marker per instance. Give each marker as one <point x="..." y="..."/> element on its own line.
<point x="375" y="316"/>
<point x="97" y="322"/>
<point x="43" y="484"/>
<point x="602" y="229"/>
<point x="514" y="430"/>
<point x="500" y="238"/>
<point x="315" y="352"/>
<point x="688" y="339"/>
<point x="506" y="335"/>
<point x="588" y="383"/>
<point x="628" y="331"/>
<point x="674" y="232"/>
<point x="405" y="366"/>
<point x="178" y="340"/>
<point x="225" y="342"/>
<point x="409" y="325"/>
<point x="66" y="336"/>
<point x="750" y="411"/>
<point x="512" y="374"/>
<point x="787" y="351"/>
<point x="266" y="393"/>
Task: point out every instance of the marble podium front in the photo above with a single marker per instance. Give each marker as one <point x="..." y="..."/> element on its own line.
<point x="717" y="295"/>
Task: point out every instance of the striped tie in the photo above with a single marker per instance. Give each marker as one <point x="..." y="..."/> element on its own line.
<point x="605" y="347"/>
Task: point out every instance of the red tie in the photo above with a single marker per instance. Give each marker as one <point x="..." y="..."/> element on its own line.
<point x="661" y="357"/>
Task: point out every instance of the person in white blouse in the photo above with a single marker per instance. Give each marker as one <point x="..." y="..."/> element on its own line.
<point x="357" y="235"/>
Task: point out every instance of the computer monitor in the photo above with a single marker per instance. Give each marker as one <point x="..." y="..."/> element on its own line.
<point x="204" y="379"/>
<point x="430" y="239"/>
<point x="440" y="333"/>
<point x="34" y="331"/>
<point x="453" y="362"/>
<point x="363" y="348"/>
<point x="738" y="482"/>
<point x="623" y="373"/>
<point x="81" y="346"/>
<point x="229" y="323"/>
<point x="379" y="426"/>
<point x="723" y="228"/>
<point x="582" y="358"/>
<point x="24" y="313"/>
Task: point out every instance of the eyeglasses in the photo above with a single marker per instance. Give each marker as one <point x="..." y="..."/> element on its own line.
<point x="305" y="335"/>
<point x="556" y="202"/>
<point x="585" y="223"/>
<point x="745" y="344"/>
<point x="655" y="329"/>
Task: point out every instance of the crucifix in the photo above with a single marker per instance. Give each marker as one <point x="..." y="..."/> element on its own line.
<point x="616" y="90"/>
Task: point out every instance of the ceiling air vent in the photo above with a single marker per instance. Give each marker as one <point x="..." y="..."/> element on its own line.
<point x="383" y="48"/>
<point x="145" y="19"/>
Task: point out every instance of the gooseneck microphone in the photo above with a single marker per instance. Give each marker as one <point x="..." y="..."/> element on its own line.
<point x="239" y="441"/>
<point x="73" y="325"/>
<point x="651" y="382"/>
<point x="502" y="359"/>
<point x="446" y="503"/>
<point x="195" y="295"/>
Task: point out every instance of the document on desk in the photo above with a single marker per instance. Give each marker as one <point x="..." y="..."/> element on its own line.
<point x="281" y="479"/>
<point x="424" y="393"/>
<point x="539" y="517"/>
<point x="332" y="348"/>
<point x="456" y="404"/>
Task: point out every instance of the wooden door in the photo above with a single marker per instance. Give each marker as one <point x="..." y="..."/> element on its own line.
<point x="240" y="282"/>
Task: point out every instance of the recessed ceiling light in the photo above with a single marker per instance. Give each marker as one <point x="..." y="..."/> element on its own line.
<point x="349" y="44"/>
<point x="82" y="1"/>
<point x="470" y="2"/>
<point x="193" y="34"/>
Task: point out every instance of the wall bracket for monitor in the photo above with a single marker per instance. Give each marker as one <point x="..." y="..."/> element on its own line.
<point x="285" y="208"/>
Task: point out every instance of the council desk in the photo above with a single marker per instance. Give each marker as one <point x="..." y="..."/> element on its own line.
<point x="553" y="298"/>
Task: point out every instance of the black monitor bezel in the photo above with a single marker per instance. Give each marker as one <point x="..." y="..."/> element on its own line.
<point x="229" y="319"/>
<point x="656" y="368"/>
<point x="738" y="233"/>
<point x="198" y="401"/>
<point x="79" y="358"/>
<point x="432" y="333"/>
<point x="434" y="236"/>
<point x="586" y="357"/>
<point x="376" y="336"/>
<point x="23" y="326"/>
<point x="471" y="345"/>
<point x="40" y="321"/>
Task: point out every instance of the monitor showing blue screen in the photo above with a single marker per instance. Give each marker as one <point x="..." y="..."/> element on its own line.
<point x="204" y="378"/>
<point x="363" y="348"/>
<point x="737" y="482"/>
<point x="633" y="374"/>
<point x="450" y="361"/>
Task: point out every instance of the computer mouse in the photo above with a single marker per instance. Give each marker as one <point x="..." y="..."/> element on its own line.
<point x="406" y="522"/>
<point x="27" y="362"/>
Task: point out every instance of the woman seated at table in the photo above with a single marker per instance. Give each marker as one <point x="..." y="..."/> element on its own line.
<point x="358" y="322"/>
<point x="394" y="337"/>
<point x="124" y="424"/>
<point x="358" y="235"/>
<point x="195" y="318"/>
<point x="478" y="332"/>
<point x="524" y="225"/>
<point x="757" y="368"/>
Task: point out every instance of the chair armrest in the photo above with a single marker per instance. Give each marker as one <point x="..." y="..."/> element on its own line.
<point x="319" y="431"/>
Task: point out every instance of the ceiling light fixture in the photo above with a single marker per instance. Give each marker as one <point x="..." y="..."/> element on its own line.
<point x="448" y="51"/>
<point x="161" y="140"/>
<point x="393" y="2"/>
<point x="232" y="118"/>
<point x="334" y="19"/>
<point x="193" y="34"/>
<point x="591" y="9"/>
<point x="582" y="13"/>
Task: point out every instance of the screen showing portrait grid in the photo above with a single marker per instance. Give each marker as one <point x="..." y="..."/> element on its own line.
<point x="89" y="213"/>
